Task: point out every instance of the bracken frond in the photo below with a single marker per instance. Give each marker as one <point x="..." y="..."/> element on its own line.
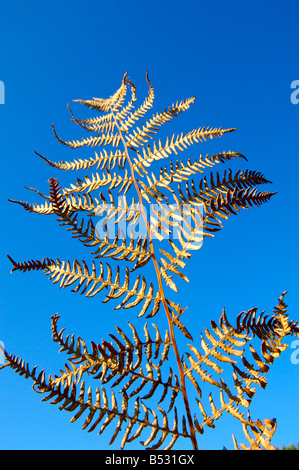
<point x="142" y="394"/>
<point x="67" y="216"/>
<point x="152" y="126"/>
<point x="262" y="435"/>
<point x="122" y="183"/>
<point x="101" y="161"/>
<point x="225" y="346"/>
<point x="179" y="142"/>
<point x="198" y="215"/>
<point x="141" y="111"/>
<point x="118" y="359"/>
<point x="112" y="103"/>
<point x="181" y="171"/>
<point x="90" y="283"/>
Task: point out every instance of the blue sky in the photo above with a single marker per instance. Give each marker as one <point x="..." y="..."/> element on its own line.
<point x="239" y="60"/>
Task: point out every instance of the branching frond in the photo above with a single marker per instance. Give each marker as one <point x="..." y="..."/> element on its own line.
<point x="45" y="209"/>
<point x="90" y="283"/>
<point x="112" y="103"/>
<point x="225" y="346"/>
<point x="105" y="123"/>
<point x="259" y="435"/>
<point x="141" y="136"/>
<point x="180" y="171"/>
<point x="139" y="112"/>
<point x="179" y="142"/>
<point x="112" y="364"/>
<point x="101" y="161"/>
<point x="67" y="216"/>
<point x="96" y="141"/>
<point x="120" y="363"/>
<point x="141" y="394"/>
<point x="96" y="181"/>
<point x="199" y="213"/>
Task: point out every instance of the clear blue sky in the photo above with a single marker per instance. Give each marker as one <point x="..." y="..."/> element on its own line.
<point x="239" y="59"/>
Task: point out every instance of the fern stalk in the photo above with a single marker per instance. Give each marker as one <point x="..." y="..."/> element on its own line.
<point x="161" y="289"/>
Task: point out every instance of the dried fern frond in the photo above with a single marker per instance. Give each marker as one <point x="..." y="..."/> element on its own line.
<point x="262" y="435"/>
<point x="90" y="283"/>
<point x="142" y="395"/>
<point x="216" y="206"/>
<point x="134" y="116"/>
<point x="45" y="209"/>
<point x="116" y="364"/>
<point x="179" y="142"/>
<point x="120" y="364"/>
<point x="112" y="103"/>
<point x="224" y="347"/>
<point x="101" y="161"/>
<point x="67" y="216"/>
<point x="180" y="171"/>
<point x="141" y="136"/>
<point x="101" y="410"/>
<point x="122" y="183"/>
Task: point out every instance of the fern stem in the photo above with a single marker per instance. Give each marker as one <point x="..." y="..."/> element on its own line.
<point x="161" y="288"/>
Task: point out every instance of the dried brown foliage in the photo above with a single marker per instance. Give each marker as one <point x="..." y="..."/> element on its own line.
<point x="141" y="393"/>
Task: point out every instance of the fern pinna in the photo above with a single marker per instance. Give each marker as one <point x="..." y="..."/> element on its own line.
<point x="139" y="395"/>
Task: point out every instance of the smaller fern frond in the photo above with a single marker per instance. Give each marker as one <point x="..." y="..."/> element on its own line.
<point x="206" y="209"/>
<point x="134" y="116"/>
<point x="101" y="160"/>
<point x="95" y="141"/>
<point x="96" y="181"/>
<point x="45" y="209"/>
<point x="90" y="283"/>
<point x="141" y="136"/>
<point x="105" y="122"/>
<point x="180" y="171"/>
<point x="106" y="126"/>
<point x="259" y="435"/>
<point x="223" y="346"/>
<point x="100" y="411"/>
<point x="66" y="212"/>
<point x="114" y="102"/>
<point x="177" y="143"/>
<point x="118" y="361"/>
<point x="70" y="392"/>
